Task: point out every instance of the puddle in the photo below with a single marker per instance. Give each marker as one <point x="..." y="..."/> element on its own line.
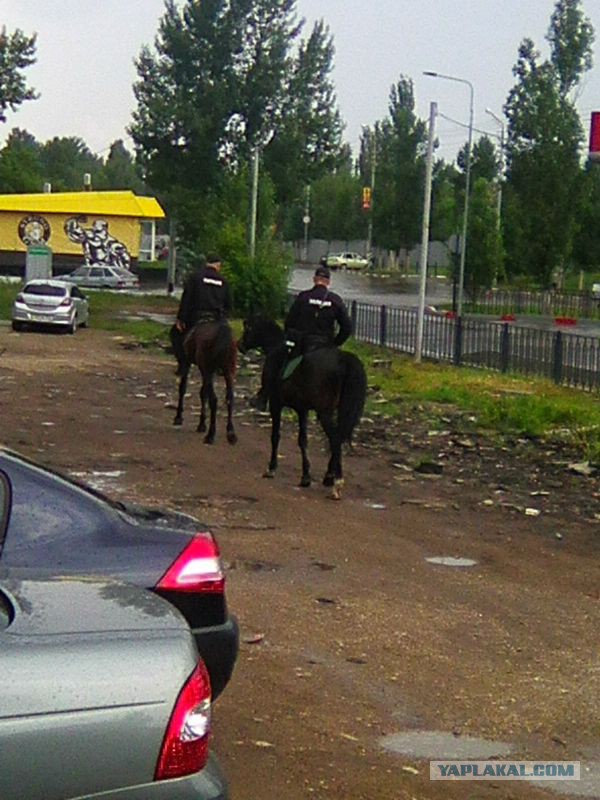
<point x="104" y="482"/>
<point x="376" y="506"/>
<point x="587" y="786"/>
<point x="450" y="561"/>
<point x="441" y="746"/>
<point x="437" y="745"/>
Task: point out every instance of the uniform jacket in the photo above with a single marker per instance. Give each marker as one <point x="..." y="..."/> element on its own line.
<point x="206" y="291"/>
<point x="316" y="312"/>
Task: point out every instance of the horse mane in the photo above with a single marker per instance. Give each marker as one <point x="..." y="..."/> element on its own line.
<point x="266" y="332"/>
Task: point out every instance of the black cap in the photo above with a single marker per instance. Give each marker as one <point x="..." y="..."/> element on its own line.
<point x="213" y="258"/>
<point x="323" y="272"/>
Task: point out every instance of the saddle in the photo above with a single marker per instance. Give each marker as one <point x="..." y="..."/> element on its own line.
<point x="298" y="345"/>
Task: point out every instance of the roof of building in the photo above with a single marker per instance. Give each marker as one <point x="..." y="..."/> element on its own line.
<point x="109" y="204"/>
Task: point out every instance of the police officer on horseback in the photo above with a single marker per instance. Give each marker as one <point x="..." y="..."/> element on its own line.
<point x="310" y="324"/>
<point x="315" y="313"/>
<point x="206" y="296"/>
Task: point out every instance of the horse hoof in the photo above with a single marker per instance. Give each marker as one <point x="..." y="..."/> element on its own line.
<point x="270" y="473"/>
<point x="232" y="438"/>
<point x="305" y="483"/>
<point x="336" y="491"/>
<point x="178" y="421"/>
<point x="328" y="480"/>
<point x="209" y="440"/>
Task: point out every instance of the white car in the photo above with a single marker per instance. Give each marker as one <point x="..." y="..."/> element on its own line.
<point x="103" y="278"/>
<point x="50" y="302"/>
<point x="346" y="261"/>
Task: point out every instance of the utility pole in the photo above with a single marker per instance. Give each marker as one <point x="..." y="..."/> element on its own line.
<point x="172" y="255"/>
<point x="373" y="169"/>
<point x="254" y="202"/>
<point x="425" y="234"/>
<point x="306" y="221"/>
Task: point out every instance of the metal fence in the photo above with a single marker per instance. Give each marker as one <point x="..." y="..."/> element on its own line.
<point x="503" y="301"/>
<point x="567" y="359"/>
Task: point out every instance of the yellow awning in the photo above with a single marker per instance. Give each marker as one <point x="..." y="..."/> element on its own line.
<point x="113" y="204"/>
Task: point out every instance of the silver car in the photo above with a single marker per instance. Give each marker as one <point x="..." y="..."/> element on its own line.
<point x="346" y="261"/>
<point x="103" y="278"/>
<point x="50" y="302"/>
<point x="102" y="696"/>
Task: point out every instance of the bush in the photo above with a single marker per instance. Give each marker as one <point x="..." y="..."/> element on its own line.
<point x="259" y="285"/>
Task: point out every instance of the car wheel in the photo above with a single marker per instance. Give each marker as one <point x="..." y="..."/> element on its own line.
<point x="17" y="326"/>
<point x="73" y="326"/>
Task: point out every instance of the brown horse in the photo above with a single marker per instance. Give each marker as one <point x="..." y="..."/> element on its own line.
<point x="209" y="345"/>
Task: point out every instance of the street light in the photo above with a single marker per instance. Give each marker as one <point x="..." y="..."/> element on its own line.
<point x="501" y="123"/>
<point x="463" y="249"/>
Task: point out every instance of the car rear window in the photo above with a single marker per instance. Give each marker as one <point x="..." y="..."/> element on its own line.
<point x="45" y="289"/>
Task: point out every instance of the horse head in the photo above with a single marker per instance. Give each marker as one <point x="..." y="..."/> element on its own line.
<point x="260" y="333"/>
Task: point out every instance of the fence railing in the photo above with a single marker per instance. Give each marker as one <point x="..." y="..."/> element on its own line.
<point x="565" y="358"/>
<point x="504" y="301"/>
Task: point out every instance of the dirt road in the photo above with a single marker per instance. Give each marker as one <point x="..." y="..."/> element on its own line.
<point x="349" y="634"/>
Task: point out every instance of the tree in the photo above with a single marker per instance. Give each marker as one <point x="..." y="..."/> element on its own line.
<point x="65" y="160"/>
<point x="401" y="147"/>
<point x="586" y="247"/>
<point x="484" y="256"/>
<point x="543" y="149"/>
<point x="120" y="170"/>
<point x="17" y="52"/>
<point x="20" y="164"/>
<point x="306" y="141"/>
<point x="485" y="160"/>
<point x="223" y="78"/>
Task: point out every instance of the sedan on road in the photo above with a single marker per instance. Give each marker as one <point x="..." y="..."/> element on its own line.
<point x="103" y="278"/>
<point x="50" y="302"/>
<point x="102" y="695"/>
<point x="346" y="261"/>
<point x="56" y="525"/>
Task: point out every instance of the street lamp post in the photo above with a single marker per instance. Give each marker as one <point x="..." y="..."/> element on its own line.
<point x="501" y="176"/>
<point x="463" y="249"/>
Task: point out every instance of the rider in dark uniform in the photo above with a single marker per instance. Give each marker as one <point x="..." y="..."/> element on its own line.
<point x="310" y="324"/>
<point x="315" y="313"/>
<point x="206" y="296"/>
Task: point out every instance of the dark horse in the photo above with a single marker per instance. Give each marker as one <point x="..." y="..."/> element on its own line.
<point x="211" y="347"/>
<point x="329" y="381"/>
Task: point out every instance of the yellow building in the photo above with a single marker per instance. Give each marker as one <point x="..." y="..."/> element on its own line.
<point x="79" y="227"/>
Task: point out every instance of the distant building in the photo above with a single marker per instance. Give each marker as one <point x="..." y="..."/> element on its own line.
<point x="79" y="227"/>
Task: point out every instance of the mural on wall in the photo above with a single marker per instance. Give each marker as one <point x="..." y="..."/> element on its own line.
<point x="33" y="230"/>
<point x="99" y="247"/>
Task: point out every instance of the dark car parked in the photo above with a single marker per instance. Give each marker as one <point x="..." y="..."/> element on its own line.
<point x="54" y="525"/>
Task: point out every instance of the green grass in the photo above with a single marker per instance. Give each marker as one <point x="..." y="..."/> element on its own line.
<point x="8" y="292"/>
<point x="502" y="404"/>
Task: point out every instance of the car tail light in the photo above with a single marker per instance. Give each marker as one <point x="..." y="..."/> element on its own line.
<point x="185" y="746"/>
<point x="121" y="285"/>
<point x="67" y="302"/>
<point x="198" y="568"/>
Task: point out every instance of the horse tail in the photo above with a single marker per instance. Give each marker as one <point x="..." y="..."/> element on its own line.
<point x="176" y="336"/>
<point x="222" y="346"/>
<point x="352" y="395"/>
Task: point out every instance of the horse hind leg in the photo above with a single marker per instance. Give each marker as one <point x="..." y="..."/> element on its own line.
<point x="334" y="476"/>
<point x="212" y="401"/>
<point x="275" y="437"/>
<point x="182" y="390"/>
<point x="306" y="478"/>
<point x="231" y="434"/>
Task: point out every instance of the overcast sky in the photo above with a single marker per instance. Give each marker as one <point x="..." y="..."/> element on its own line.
<point x="86" y="49"/>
